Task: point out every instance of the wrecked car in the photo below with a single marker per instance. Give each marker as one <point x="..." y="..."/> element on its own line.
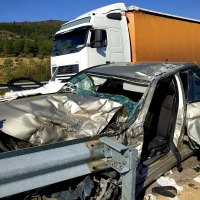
<point x="106" y="133"/>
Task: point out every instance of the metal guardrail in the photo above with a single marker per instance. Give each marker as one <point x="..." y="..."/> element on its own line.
<point x="24" y="84"/>
<point x="27" y="169"/>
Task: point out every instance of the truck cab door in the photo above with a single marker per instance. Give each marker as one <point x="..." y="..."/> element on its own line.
<point x="116" y="46"/>
<point x="98" y="51"/>
<point x="193" y="107"/>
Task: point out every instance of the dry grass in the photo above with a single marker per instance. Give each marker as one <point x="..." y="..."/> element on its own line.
<point x="25" y="67"/>
<point x="24" y="59"/>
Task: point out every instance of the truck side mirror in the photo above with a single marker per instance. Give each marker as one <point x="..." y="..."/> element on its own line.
<point x="98" y="37"/>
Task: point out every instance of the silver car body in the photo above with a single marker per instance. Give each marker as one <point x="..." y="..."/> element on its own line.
<point x="120" y="100"/>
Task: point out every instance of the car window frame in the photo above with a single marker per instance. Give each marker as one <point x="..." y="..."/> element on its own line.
<point x="191" y="87"/>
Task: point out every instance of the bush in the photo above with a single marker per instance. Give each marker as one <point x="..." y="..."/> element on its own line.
<point x="37" y="70"/>
<point x="30" y="55"/>
<point x="32" y="62"/>
<point x="8" y="63"/>
<point x="19" y="60"/>
<point x="2" y="54"/>
<point x="10" y="55"/>
<point x="40" y="56"/>
<point x="22" y="55"/>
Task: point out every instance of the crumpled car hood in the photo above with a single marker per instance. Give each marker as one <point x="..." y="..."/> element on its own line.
<point x="51" y="118"/>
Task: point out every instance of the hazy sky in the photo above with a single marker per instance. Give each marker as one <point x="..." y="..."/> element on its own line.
<point x="40" y="10"/>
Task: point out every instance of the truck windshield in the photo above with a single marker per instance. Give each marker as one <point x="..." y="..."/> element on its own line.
<point x="70" y="42"/>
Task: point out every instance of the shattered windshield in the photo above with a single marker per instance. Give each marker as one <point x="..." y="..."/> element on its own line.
<point x="70" y="42"/>
<point x="111" y="89"/>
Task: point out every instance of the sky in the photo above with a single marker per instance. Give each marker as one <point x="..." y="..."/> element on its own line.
<point x="65" y="10"/>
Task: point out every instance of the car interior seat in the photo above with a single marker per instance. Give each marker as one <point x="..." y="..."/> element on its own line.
<point x="111" y="86"/>
<point x="164" y="123"/>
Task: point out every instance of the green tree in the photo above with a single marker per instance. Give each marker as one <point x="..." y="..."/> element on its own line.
<point x="30" y="47"/>
<point x="45" y="47"/>
<point x="7" y="47"/>
<point x="18" y="46"/>
<point x="1" y="47"/>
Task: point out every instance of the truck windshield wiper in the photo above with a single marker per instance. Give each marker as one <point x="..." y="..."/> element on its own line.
<point x="71" y="47"/>
<point x="57" y="50"/>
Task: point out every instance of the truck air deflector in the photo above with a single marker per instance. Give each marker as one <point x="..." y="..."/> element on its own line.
<point x="75" y="23"/>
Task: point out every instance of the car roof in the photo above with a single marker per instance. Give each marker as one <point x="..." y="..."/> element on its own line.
<point x="141" y="71"/>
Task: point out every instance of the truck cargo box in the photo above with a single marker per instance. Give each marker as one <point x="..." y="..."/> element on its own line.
<point x="159" y="37"/>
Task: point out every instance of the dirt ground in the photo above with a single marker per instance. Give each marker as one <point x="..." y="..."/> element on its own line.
<point x="185" y="179"/>
<point x="191" y="191"/>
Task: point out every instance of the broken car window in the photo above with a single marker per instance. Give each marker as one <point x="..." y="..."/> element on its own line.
<point x="194" y="85"/>
<point x="83" y="84"/>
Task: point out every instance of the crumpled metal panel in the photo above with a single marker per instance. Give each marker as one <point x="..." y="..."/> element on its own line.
<point x="151" y="72"/>
<point x="141" y="71"/>
<point x="135" y="132"/>
<point x="180" y="118"/>
<point x="52" y="118"/>
<point x="49" y="88"/>
<point x="193" y="121"/>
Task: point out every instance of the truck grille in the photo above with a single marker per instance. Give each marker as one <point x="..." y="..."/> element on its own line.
<point x="67" y="69"/>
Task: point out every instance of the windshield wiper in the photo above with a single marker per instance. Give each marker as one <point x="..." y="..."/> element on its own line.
<point x="72" y="47"/>
<point x="57" y="50"/>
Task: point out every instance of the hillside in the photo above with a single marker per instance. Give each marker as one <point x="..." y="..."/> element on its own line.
<point x="30" y="30"/>
<point x="7" y="35"/>
<point x="27" y="39"/>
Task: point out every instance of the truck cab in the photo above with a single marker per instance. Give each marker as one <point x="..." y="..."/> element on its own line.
<point x="98" y="37"/>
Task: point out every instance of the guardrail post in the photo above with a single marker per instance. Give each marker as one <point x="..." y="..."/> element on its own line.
<point x="124" y="160"/>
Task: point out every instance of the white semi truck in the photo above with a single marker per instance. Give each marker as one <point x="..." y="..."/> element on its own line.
<point x="75" y="48"/>
<point x="115" y="33"/>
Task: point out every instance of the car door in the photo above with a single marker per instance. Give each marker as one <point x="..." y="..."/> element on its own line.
<point x="193" y="107"/>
